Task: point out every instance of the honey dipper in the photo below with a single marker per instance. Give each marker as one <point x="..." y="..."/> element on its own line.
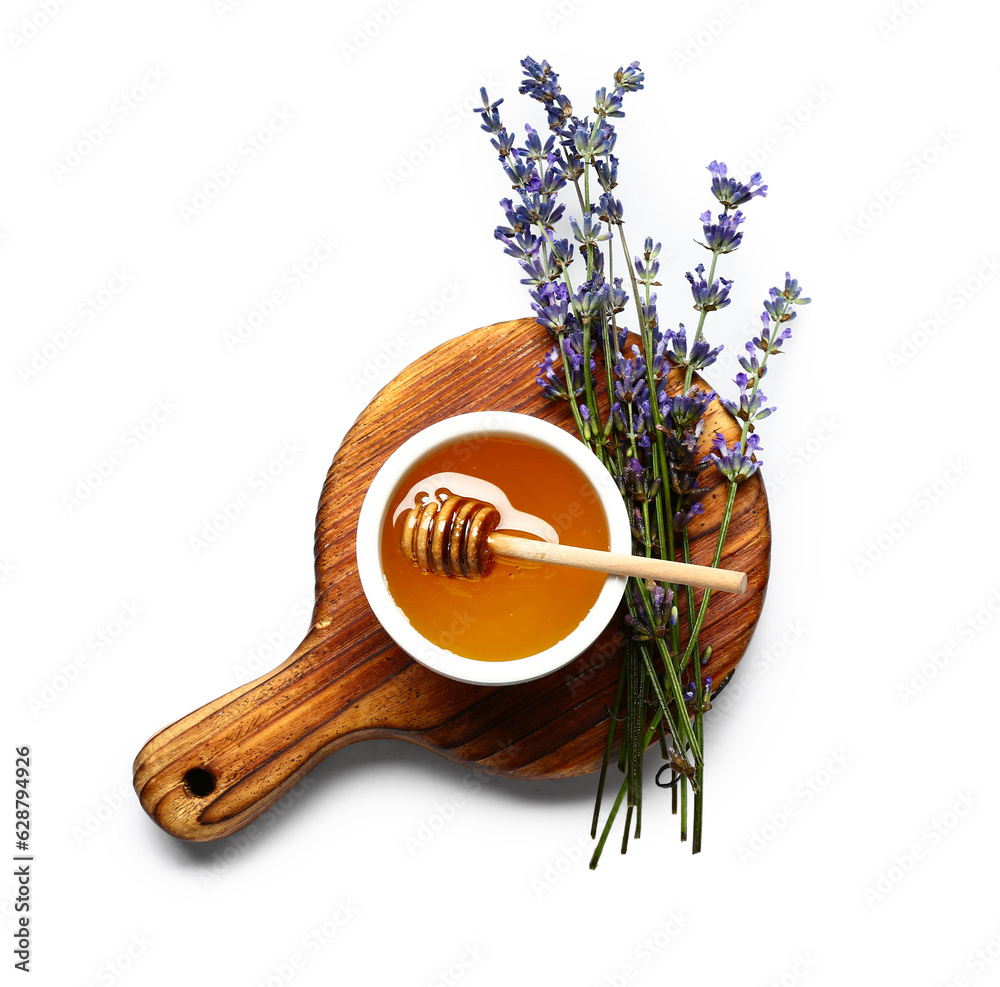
<point x="458" y="537"/>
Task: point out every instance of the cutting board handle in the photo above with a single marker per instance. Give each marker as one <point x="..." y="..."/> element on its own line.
<point x="213" y="771"/>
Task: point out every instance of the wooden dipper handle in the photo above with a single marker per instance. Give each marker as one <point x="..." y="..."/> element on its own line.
<point x="458" y="538"/>
<point x="706" y="577"/>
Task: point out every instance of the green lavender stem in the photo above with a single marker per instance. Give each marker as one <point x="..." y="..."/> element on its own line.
<point x="613" y="720"/>
<point x="677" y="693"/>
<point x="727" y="515"/>
<point x="699" y="771"/>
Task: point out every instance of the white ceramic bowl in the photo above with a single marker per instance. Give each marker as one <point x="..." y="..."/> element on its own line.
<point x="376" y="506"/>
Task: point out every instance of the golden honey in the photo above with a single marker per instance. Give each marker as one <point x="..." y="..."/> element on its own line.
<point x="518" y="608"/>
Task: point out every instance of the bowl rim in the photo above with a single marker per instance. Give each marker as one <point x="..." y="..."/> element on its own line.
<point x="392" y="618"/>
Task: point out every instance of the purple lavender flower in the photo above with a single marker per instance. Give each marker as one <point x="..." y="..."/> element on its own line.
<point x="645" y="625"/>
<point x="724" y="236"/>
<point x="734" y="464"/>
<point x="535" y="150"/>
<point x="608" y="105"/>
<point x="617" y="298"/>
<point x="593" y="142"/>
<point x="555" y="315"/>
<point x="541" y="83"/>
<point x="591" y="232"/>
<point x="548" y="182"/>
<point x="520" y="173"/>
<point x="648" y="313"/>
<point x="543" y="210"/>
<point x="548" y="379"/>
<point x="550" y="293"/>
<point x="700" y="356"/>
<point x="750" y="406"/>
<point x="561" y="253"/>
<point x="630" y="378"/>
<point x="780" y="300"/>
<point x="611" y="208"/>
<point x="540" y="269"/>
<point x="589" y="302"/>
<point x="750" y="363"/>
<point x="685" y="411"/>
<point x="607" y="172"/>
<point x="630" y="79"/>
<point x="708" y="297"/>
<point x="503" y="142"/>
<point x="517" y="216"/>
<point x="523" y="246"/>
<point x="573" y="347"/>
<point x="769" y="341"/>
<point x="490" y="117"/>
<point x="682" y="519"/>
<point x="729" y="191"/>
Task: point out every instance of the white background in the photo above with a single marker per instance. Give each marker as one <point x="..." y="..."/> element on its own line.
<point x="851" y="803"/>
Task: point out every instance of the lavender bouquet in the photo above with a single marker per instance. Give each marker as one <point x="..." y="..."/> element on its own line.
<point x="649" y="435"/>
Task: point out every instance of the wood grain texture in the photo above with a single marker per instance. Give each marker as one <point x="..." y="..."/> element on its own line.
<point x="348" y="681"/>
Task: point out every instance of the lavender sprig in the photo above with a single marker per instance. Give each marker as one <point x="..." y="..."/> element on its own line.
<point x="650" y="438"/>
<point x="739" y="462"/>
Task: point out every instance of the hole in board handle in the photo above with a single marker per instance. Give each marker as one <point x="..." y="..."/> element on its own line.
<point x="200" y="782"/>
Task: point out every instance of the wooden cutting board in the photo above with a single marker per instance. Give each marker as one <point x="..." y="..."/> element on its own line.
<point x="213" y="771"/>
